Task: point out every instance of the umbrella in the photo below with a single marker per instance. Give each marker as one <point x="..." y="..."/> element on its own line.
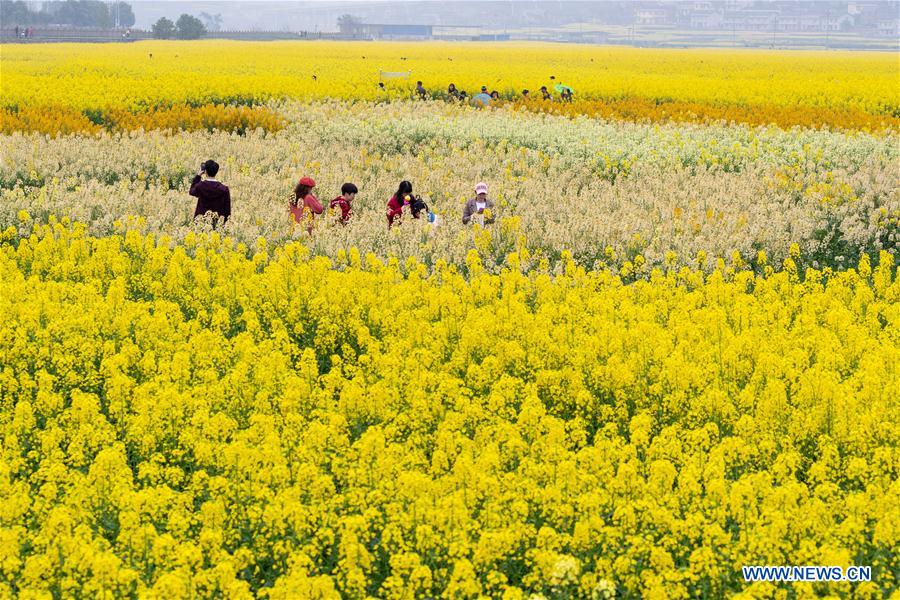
<point x="562" y="88"/>
<point x="482" y="99"/>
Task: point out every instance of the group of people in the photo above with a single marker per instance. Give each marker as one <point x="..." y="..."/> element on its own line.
<point x="305" y="205"/>
<point x="24" y="32"/>
<point x="485" y="98"/>
<point x="214" y="197"/>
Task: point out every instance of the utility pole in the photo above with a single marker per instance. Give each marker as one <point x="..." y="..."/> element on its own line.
<point x="827" y="27"/>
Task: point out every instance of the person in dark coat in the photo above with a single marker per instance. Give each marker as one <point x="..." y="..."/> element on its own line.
<point x="212" y="196"/>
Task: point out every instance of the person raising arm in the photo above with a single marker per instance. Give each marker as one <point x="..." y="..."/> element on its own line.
<point x="395" y="205"/>
<point x="212" y="196"/>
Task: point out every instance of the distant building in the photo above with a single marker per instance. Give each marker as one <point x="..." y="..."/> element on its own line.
<point x="654" y="16"/>
<point x="707" y="19"/>
<point x="688" y="12"/>
<point x="790" y="22"/>
<point x="395" y="32"/>
<point x="869" y="14"/>
<point x="873" y="16"/>
<point x="885" y="18"/>
<point x="888" y="27"/>
<point x="750" y="20"/>
<point x="838" y="22"/>
<point x="795" y="21"/>
<point x="586" y="37"/>
<point x="491" y="37"/>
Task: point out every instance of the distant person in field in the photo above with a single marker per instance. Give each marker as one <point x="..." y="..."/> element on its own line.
<point x="481" y="99"/>
<point x="476" y="207"/>
<point x="495" y="95"/>
<point x="421" y="91"/>
<point x="403" y="198"/>
<point x="452" y="92"/>
<point x="343" y="202"/>
<point x="305" y="206"/>
<point x="566" y="95"/>
<point x="212" y="196"/>
<point x="525" y="94"/>
<point x="545" y="94"/>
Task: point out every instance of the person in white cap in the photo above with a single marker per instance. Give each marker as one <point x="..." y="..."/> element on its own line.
<point x="477" y="205"/>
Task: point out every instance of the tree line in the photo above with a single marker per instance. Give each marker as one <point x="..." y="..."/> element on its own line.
<point x="104" y="15"/>
<point x="77" y="13"/>
<point x="185" y="28"/>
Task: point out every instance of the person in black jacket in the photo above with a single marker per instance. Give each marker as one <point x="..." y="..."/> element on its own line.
<point x="212" y="196"/>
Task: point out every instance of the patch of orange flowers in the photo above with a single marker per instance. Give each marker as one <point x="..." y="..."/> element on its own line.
<point x="61" y="121"/>
<point x="677" y="111"/>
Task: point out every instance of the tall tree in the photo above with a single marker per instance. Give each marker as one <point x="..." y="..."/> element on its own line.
<point x="212" y="22"/>
<point x="121" y="12"/>
<point x="16" y="12"/>
<point x="189" y="28"/>
<point x="164" y="29"/>
<point x="348" y="24"/>
<point x="80" y="13"/>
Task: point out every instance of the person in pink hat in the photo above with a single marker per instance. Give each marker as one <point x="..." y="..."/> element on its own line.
<point x="476" y="206"/>
<point x="305" y="205"/>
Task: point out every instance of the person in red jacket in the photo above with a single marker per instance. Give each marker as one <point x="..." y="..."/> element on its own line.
<point x="211" y="195"/>
<point x="342" y="202"/>
<point x="305" y="205"/>
<point x="402" y="198"/>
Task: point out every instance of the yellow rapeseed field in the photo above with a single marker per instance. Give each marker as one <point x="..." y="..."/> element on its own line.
<point x="843" y="89"/>
<point x="674" y="352"/>
<point x="188" y="421"/>
<point x="605" y="191"/>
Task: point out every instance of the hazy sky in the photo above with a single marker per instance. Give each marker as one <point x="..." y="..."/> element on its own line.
<point x="322" y="15"/>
